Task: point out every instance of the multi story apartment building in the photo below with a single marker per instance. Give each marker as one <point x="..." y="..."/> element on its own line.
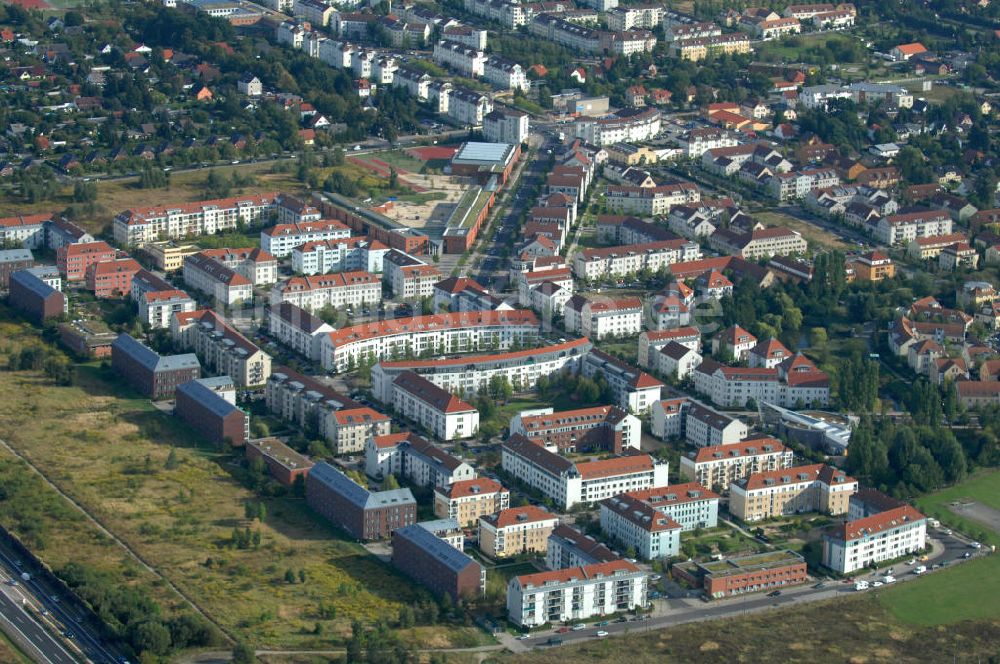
<point x="340" y="289"/>
<point x="507" y="12"/>
<point x="651" y="342"/>
<point x="605" y="317"/>
<point x="470" y="375"/>
<point x="442" y="568"/>
<point x="467" y="500"/>
<point x="460" y="332"/>
<point x="12" y="260"/>
<point x="630" y="259"/>
<point x="634" y="524"/>
<point x="343" y="255"/>
<point x="626" y="126"/>
<point x="139" y="226"/>
<point x="761" y="243"/>
<point x="469" y="107"/>
<point x="222" y="283"/>
<point x="650" y="201"/>
<point x="506" y="74"/>
<point x="297" y="328"/>
<point x="364" y="514"/>
<point x="279" y="240"/>
<point x="719" y="466"/>
<point x="797" y="184"/>
<point x="412" y="457"/>
<point x="568" y="483"/>
<point x="211" y="414"/>
<point x="111" y="278"/>
<point x="794" y="382"/>
<point x="633" y="389"/>
<point x="149" y="373"/>
<point x="697" y="48"/>
<point x="881" y="537"/>
<point x="74" y="259"/>
<point x="305" y="401"/>
<point x="604" y="428"/>
<point x="909" y="225"/>
<point x="568" y="547"/>
<point x="575" y="593"/>
<point x="706" y="427"/>
<point x="443" y="414"/>
<point x="516" y="530"/>
<point x="259" y="267"/>
<point x="647" y="17"/>
<point x="221" y="347"/>
<point x="26" y="230"/>
<point x="775" y="493"/>
<point x="464" y="59"/>
<point x="506" y="125"/>
<point x="36" y="297"/>
<point x="408" y="276"/>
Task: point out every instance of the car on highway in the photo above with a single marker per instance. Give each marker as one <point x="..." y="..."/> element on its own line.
<point x="578" y="627"/>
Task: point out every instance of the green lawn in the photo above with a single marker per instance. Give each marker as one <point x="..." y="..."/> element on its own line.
<point x="966" y="591"/>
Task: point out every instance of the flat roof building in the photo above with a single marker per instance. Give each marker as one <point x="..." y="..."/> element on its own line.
<point x="283" y="463"/>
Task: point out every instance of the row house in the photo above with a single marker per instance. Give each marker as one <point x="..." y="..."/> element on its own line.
<point x="719" y="466"/>
<point x="221" y="348"/>
<point x="341" y="255"/>
<point x="340" y="290"/>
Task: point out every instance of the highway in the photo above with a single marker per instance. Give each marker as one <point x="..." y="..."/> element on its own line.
<point x="24" y="629"/>
<point x="53" y="616"/>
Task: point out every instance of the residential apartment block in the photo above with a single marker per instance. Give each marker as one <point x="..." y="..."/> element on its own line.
<point x="74" y="259"/>
<point x="775" y="493"/>
<point x="719" y="466"/>
<point x="341" y="289"/>
<point x="575" y="593"/>
<point x="630" y="259"/>
<point x="341" y="255"/>
<point x="568" y="483"/>
<point x="467" y="500"/>
<point x="441" y="413"/>
<point x="298" y="329"/>
<point x="442" y="568"/>
<point x="222" y="348"/>
<point x="650" y="201"/>
<point x="568" y="547"/>
<point x="221" y="283"/>
<point x="279" y="240"/>
<point x="516" y="530"/>
<point x="414" y="458"/>
<point x="139" y="226"/>
<point x="112" y="278"/>
<point x="364" y="514"/>
<point x="259" y="267"/>
<point x="793" y="383"/>
<point x="603" y="317"/>
<point x="438" y="334"/>
<point x="151" y="374"/>
<point x="599" y="428"/>
<point x="634" y="524"/>
<point x="211" y="414"/>
<point x="633" y="389"/>
<point x="884" y="536"/>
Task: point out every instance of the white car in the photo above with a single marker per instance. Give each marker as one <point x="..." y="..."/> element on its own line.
<point x="976" y="545"/>
<point x="877" y="584"/>
<point x="601" y="633"/>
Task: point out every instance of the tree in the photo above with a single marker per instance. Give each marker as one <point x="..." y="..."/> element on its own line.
<point x="172" y="463"/>
<point x="150" y="636"/>
<point x="243" y="653"/>
<point x="391" y="482"/>
<point x="289" y="576"/>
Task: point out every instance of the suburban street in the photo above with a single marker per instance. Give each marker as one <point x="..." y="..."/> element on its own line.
<point x="947" y="550"/>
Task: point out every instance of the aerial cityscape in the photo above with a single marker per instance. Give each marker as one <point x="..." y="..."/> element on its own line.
<point x="499" y="331"/>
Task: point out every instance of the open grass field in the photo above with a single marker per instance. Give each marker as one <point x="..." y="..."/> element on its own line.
<point x="796" y="48"/>
<point x="113" y="196"/>
<point x="107" y="448"/>
<point x="814" y="235"/>
<point x="857" y="630"/>
<point x="967" y="591"/>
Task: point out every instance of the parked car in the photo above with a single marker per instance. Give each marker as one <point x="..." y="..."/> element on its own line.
<point x="601" y="633"/>
<point x="774" y="593"/>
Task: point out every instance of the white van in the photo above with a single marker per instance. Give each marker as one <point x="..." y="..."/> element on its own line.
<point x="861" y="585"/>
<point x="888" y="578"/>
<point x="920" y="569"/>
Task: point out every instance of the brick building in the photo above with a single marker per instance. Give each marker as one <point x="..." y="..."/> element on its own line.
<point x="745" y="574"/>
<point x="87" y="338"/>
<point x="35" y="298"/>
<point x="12" y="260"/>
<point x="433" y="562"/>
<point x="111" y="278"/>
<point x="153" y="375"/>
<point x="211" y="414"/>
<point x="283" y="463"/>
<point x="366" y="515"/>
<point x="74" y="259"/>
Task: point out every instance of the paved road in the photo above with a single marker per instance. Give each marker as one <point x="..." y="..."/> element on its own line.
<point x="671" y="612"/>
<point x="25" y="630"/>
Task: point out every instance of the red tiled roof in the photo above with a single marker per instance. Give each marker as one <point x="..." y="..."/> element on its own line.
<point x="607" y="569"/>
<point x="744" y="448"/>
<point x="622" y="465"/>
<point x="434" y="396"/>
<point x="513" y="516"/>
<point x="877" y="523"/>
<point x="796" y="474"/>
<point x="469" y="359"/>
<point x="433" y="322"/>
<point x="465" y="488"/>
